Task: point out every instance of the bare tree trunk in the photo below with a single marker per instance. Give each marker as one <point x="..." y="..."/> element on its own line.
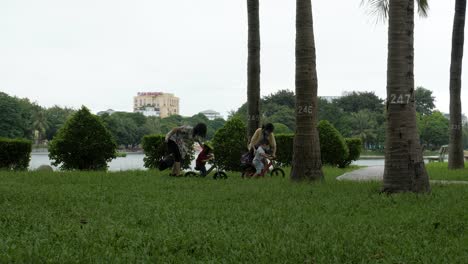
<point x="404" y="165"/>
<point x="307" y="164"/>
<point x="253" y="68"/>
<point x="456" y="155"/>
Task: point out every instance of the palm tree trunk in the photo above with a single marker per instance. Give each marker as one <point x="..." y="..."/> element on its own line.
<point x="456" y="130"/>
<point x="307" y="164"/>
<point x="253" y="67"/>
<point x="404" y="165"/>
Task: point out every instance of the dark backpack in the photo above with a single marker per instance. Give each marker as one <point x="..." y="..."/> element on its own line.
<point x="247" y="158"/>
<point x="166" y="162"/>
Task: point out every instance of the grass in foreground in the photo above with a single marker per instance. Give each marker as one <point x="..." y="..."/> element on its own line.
<point x="145" y="217"/>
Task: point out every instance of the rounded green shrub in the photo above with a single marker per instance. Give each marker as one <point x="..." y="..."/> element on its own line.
<point x="282" y="129"/>
<point x="333" y="148"/>
<point x="154" y="148"/>
<point x="229" y="143"/>
<point x="284" y="148"/>
<point x="15" y="154"/>
<point x="355" y="148"/>
<point x="45" y="168"/>
<point x="83" y="143"/>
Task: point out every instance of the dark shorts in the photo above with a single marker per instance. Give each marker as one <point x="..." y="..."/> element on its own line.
<point x="174" y="150"/>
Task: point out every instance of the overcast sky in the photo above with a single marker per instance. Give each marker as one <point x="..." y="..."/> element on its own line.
<point x="100" y="53"/>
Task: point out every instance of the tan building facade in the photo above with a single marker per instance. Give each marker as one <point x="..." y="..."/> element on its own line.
<point x="156" y="104"/>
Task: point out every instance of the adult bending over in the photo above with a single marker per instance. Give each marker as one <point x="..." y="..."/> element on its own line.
<point x="177" y="143"/>
<point x="264" y="133"/>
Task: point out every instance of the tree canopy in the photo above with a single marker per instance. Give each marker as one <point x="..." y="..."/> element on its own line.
<point x="424" y="101"/>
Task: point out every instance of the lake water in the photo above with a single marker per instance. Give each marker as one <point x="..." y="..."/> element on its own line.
<point x="134" y="161"/>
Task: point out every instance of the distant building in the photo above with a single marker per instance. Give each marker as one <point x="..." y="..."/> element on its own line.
<point x="108" y="111"/>
<point x="464" y="118"/>
<point x="330" y="98"/>
<point x="149" y="111"/>
<point x="156" y="104"/>
<point x="211" y="114"/>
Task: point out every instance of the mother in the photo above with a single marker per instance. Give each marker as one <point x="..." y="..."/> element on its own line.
<point x="265" y="132"/>
<point x="177" y="142"/>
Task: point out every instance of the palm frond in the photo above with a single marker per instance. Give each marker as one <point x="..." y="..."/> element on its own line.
<point x="379" y="8"/>
<point x="423" y="7"/>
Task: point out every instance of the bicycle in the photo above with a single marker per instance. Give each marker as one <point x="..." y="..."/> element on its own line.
<point x="250" y="170"/>
<point x="219" y="174"/>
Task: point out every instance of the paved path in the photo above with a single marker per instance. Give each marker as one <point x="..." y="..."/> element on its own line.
<point x="371" y="173"/>
<point x="375" y="173"/>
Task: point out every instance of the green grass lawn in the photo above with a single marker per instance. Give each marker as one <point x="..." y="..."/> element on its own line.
<point x="439" y="171"/>
<point x="145" y="217"/>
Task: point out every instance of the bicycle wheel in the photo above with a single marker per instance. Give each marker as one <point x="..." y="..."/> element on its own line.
<point x="248" y="172"/>
<point x="277" y="172"/>
<point x="220" y="175"/>
<point x="190" y="174"/>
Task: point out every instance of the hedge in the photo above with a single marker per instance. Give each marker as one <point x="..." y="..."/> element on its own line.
<point x="284" y="148"/>
<point x="155" y="147"/>
<point x="230" y="143"/>
<point x="15" y="154"/>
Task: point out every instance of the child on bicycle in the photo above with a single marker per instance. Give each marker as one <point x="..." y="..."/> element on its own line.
<point x="205" y="155"/>
<point x="260" y="157"/>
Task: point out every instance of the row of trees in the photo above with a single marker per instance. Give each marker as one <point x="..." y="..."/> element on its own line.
<point x="129" y="128"/>
<point x="356" y="114"/>
<point x="404" y="166"/>
<point x="20" y="118"/>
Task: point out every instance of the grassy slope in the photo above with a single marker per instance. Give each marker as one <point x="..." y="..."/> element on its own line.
<point x="141" y="216"/>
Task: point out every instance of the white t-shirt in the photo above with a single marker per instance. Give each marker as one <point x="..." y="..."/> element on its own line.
<point x="259" y="154"/>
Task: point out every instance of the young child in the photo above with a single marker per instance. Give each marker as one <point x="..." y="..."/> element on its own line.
<point x="202" y="158"/>
<point x="260" y="158"/>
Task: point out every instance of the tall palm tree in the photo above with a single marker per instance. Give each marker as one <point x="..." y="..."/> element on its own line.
<point x="363" y="126"/>
<point x="253" y="67"/>
<point x="307" y="164"/>
<point x="456" y="155"/>
<point x="404" y="165"/>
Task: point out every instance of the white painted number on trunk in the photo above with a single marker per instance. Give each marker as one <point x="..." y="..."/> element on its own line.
<point x="308" y="109"/>
<point x="400" y="98"/>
